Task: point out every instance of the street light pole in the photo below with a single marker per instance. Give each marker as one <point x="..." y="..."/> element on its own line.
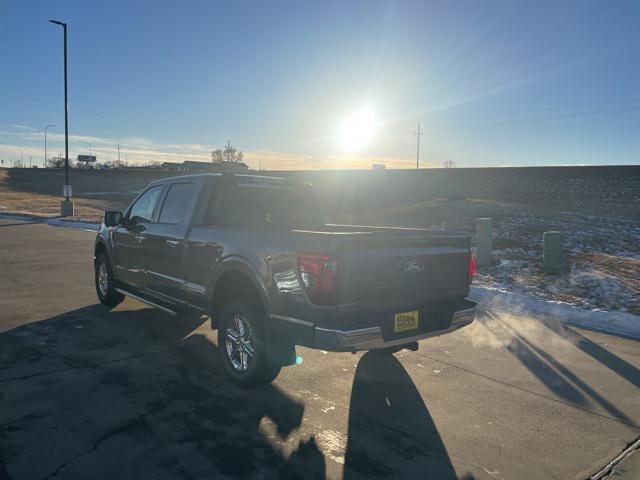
<point x="418" y="133"/>
<point x="45" y="143"/>
<point x="66" y="206"/>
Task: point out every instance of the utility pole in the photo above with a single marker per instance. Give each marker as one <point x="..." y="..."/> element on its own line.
<point x="66" y="206"/>
<point x="45" y="144"/>
<point x="418" y="133"/>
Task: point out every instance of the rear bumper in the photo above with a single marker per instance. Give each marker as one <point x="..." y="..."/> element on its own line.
<point x="372" y="337"/>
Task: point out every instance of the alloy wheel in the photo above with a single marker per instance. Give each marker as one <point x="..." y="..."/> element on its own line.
<point x="103" y="279"/>
<point x="239" y="343"/>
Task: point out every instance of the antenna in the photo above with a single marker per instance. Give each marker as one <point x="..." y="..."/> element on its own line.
<point x="418" y="133"/>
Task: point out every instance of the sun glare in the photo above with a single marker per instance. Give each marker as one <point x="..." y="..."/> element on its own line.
<point x="357" y="130"/>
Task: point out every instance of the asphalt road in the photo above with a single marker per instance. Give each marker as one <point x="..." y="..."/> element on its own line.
<point x="88" y="392"/>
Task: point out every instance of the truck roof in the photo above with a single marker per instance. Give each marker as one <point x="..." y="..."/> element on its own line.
<point x="224" y="174"/>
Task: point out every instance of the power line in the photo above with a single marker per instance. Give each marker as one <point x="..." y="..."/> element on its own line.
<point x="548" y="109"/>
<point x="538" y="119"/>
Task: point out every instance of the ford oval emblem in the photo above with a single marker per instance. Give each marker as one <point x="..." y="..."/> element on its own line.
<point x="413" y="266"/>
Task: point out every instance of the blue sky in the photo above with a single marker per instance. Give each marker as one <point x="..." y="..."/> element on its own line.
<point x="493" y="83"/>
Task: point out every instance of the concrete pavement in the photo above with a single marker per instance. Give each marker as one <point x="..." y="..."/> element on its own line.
<point x="132" y="393"/>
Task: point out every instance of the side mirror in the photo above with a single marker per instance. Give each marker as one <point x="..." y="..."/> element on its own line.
<point x="112" y="218"/>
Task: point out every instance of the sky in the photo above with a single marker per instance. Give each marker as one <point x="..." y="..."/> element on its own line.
<point x="326" y="84"/>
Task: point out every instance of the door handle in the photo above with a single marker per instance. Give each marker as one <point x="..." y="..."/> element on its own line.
<point x="173" y="243"/>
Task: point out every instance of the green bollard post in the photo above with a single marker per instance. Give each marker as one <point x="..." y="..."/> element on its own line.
<point x="553" y="256"/>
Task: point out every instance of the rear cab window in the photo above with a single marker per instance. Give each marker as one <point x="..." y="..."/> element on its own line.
<point x="259" y="202"/>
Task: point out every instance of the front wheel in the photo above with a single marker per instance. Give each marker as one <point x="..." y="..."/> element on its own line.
<point x="104" y="282"/>
<point x="241" y="341"/>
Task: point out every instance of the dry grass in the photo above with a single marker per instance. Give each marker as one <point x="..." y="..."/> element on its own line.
<point x="47" y="205"/>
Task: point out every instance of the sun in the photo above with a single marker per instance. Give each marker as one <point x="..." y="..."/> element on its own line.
<point x="357" y="130"/>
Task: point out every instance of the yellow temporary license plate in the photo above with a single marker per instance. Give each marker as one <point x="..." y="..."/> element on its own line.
<point x="405" y="321"/>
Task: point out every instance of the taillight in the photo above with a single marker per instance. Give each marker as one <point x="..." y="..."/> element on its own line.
<point x="472" y="267"/>
<point x="318" y="274"/>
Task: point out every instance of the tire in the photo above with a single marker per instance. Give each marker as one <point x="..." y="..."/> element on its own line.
<point x="104" y="282"/>
<point x="242" y="347"/>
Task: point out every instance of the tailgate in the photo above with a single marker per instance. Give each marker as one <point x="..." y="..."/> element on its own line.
<point x="393" y="270"/>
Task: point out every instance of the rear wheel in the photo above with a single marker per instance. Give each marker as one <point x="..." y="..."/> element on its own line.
<point x="104" y="282"/>
<point x="241" y="341"/>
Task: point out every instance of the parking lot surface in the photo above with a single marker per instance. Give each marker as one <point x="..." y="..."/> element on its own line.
<point x="88" y="392"/>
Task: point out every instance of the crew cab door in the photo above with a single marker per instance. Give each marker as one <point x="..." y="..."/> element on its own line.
<point x="165" y="246"/>
<point x="130" y="236"/>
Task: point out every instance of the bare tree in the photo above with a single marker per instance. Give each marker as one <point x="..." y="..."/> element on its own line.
<point x="152" y="164"/>
<point x="56" y="162"/>
<point x="449" y="164"/>
<point x="217" y="156"/>
<point x="113" y="164"/>
<point x="229" y="154"/>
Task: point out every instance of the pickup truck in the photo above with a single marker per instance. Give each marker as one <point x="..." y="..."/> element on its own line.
<point x="255" y="254"/>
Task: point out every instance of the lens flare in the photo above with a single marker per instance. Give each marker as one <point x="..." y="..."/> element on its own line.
<point x="357" y="130"/>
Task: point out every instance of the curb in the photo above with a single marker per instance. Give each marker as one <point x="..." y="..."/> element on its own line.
<point x="25" y="215"/>
<point x="616" y="461"/>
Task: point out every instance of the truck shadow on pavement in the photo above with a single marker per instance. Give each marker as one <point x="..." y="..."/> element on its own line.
<point x="391" y="433"/>
<point x="95" y="393"/>
<point x="138" y="394"/>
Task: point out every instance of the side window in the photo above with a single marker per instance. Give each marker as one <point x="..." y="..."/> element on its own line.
<point x="177" y="202"/>
<point x="142" y="210"/>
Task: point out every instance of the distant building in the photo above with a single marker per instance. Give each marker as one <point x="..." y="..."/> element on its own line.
<point x="191" y="165"/>
<point x="172" y="166"/>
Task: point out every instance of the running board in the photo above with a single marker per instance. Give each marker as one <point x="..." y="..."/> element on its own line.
<point x="148" y="302"/>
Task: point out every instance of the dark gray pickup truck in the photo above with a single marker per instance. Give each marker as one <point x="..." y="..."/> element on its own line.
<point x="255" y="254"/>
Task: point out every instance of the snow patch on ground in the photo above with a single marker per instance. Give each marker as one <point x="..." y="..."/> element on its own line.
<point x="602" y="258"/>
<point x="618" y="323"/>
